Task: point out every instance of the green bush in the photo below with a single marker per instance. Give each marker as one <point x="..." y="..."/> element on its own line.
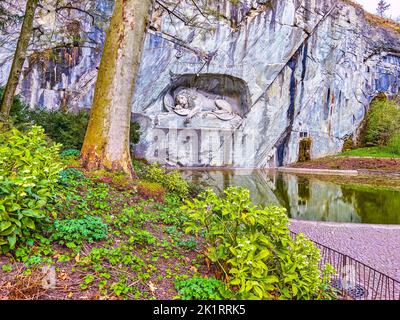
<point x="253" y="248"/>
<point x="381" y="123"/>
<point x="19" y="110"/>
<point x="195" y="189"/>
<point x="200" y="289"/>
<point x="151" y="190"/>
<point x="77" y="231"/>
<point x="70" y="175"/>
<point x="70" y="154"/>
<point x="394" y="143"/>
<point x="171" y="181"/>
<point x="67" y="128"/>
<point x="29" y="172"/>
<point x="189" y="244"/>
<point x="140" y="165"/>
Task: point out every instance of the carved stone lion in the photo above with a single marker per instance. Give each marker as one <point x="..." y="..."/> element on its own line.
<point x="188" y="102"/>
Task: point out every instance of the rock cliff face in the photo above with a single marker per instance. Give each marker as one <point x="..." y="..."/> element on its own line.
<point x="247" y="83"/>
<point x="61" y="69"/>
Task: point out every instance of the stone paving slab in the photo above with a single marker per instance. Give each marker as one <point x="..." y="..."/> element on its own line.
<point x="377" y="246"/>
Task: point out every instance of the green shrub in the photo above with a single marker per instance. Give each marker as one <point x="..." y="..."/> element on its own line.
<point x="67" y="128"/>
<point x="381" y="123"/>
<point x="140" y="166"/>
<point x="151" y="190"/>
<point x="29" y="172"/>
<point x="195" y="189"/>
<point x="171" y="181"/>
<point x="348" y="143"/>
<point x="77" y="231"/>
<point x="135" y="133"/>
<point x="70" y="154"/>
<point x="189" y="244"/>
<point x="253" y="248"/>
<point x="19" y="110"/>
<point x="394" y="143"/>
<point x="70" y="175"/>
<point x="305" y="150"/>
<point x="200" y="289"/>
<point x="142" y="237"/>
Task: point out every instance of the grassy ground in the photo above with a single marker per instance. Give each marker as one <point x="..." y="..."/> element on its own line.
<point x="375" y="152"/>
<point x="366" y="159"/>
<point x="363" y="181"/>
<point x="137" y="250"/>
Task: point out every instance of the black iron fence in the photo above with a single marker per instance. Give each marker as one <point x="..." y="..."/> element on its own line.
<point x="355" y="280"/>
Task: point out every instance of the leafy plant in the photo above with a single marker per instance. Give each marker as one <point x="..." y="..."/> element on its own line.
<point x="170" y="213"/>
<point x="195" y="189"/>
<point x="381" y="123"/>
<point x="67" y="128"/>
<point x="19" y="110"/>
<point x="253" y="249"/>
<point x="79" y="230"/>
<point x="394" y="143"/>
<point x="134" y="135"/>
<point x="7" y="267"/>
<point x="190" y="244"/>
<point x="200" y="289"/>
<point x="151" y="190"/>
<point x="142" y="237"/>
<point x="71" y="174"/>
<point x="139" y="165"/>
<point x="70" y="153"/>
<point x="171" y="181"/>
<point x="29" y="172"/>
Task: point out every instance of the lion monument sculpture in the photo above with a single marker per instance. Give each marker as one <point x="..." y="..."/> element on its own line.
<point x="190" y="102"/>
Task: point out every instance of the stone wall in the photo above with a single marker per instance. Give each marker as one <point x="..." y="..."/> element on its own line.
<point x="311" y="68"/>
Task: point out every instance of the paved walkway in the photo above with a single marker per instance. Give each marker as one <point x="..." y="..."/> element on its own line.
<point x="377" y="246"/>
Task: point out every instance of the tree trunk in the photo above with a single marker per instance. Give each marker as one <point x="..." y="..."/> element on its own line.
<point x="106" y="144"/>
<point x="19" y="58"/>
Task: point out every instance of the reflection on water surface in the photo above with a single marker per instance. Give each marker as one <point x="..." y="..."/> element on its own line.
<point x="308" y="198"/>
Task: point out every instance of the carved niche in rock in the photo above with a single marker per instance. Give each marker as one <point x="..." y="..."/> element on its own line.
<point x="207" y="98"/>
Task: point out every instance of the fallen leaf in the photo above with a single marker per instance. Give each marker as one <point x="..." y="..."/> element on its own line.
<point x="194" y="269"/>
<point x="208" y="263"/>
<point x="152" y="287"/>
<point x="218" y="274"/>
<point x="63" y="276"/>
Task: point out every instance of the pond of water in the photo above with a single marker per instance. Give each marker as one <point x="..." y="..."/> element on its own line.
<point x="308" y="198"/>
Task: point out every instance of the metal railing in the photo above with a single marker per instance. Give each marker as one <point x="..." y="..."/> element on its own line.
<point x="355" y="280"/>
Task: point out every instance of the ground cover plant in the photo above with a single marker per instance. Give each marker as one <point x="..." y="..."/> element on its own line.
<point x="105" y="244"/>
<point x="67" y="233"/>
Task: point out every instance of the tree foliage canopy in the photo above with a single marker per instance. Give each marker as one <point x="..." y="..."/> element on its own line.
<point x="382" y="122"/>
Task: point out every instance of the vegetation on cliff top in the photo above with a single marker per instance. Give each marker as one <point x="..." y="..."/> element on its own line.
<point x="374" y="19"/>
